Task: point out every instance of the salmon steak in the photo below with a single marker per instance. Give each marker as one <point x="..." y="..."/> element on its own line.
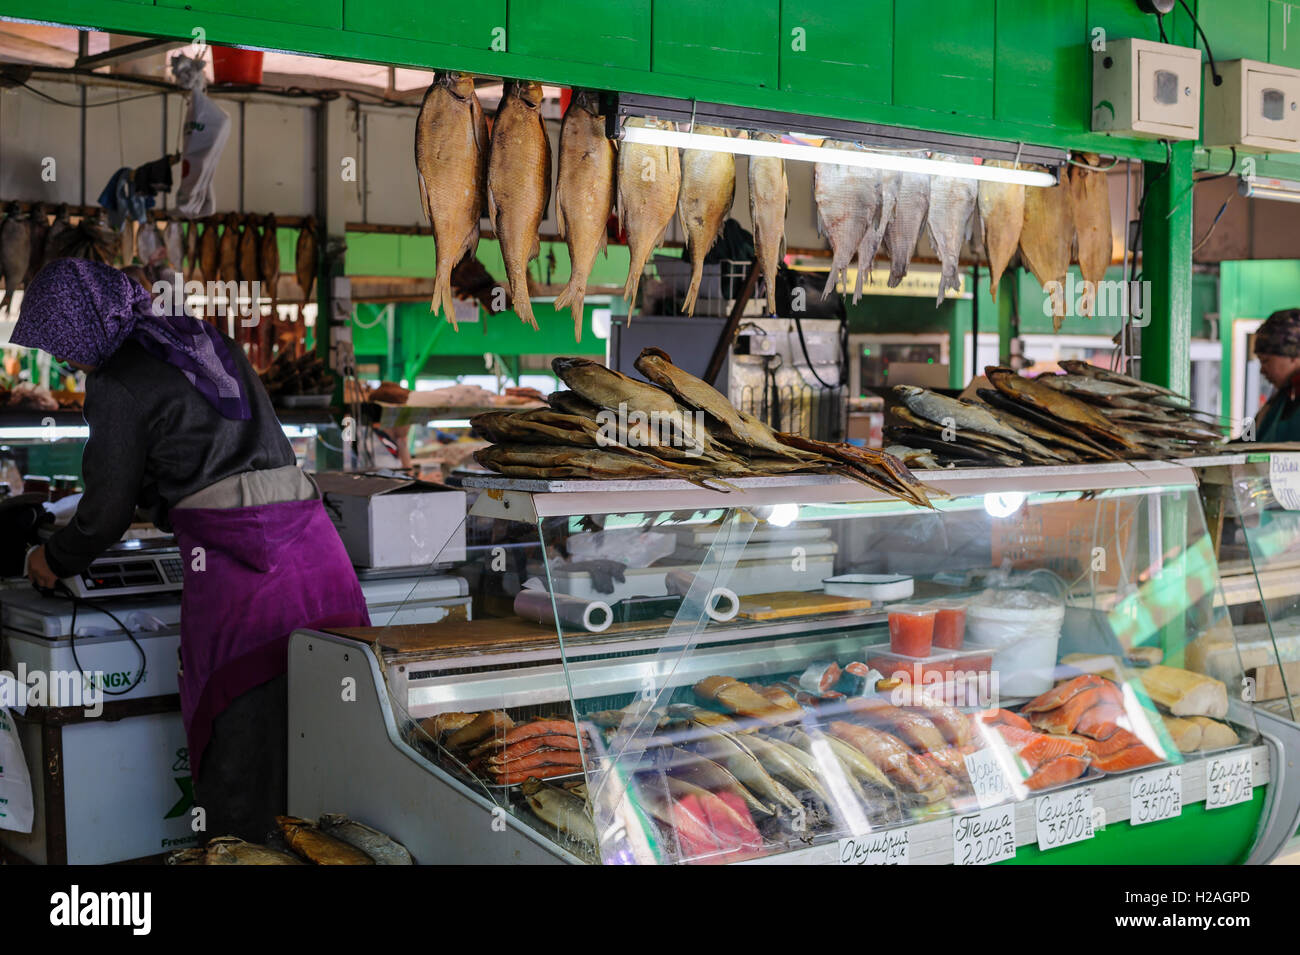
<point x="1120" y="739"/>
<point x="1053" y="772"/>
<point x="1036" y="748"/>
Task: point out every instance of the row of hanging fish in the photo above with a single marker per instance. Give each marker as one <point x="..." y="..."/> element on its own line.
<point x="231" y="248"/>
<point x="465" y="173"/>
<point x="1088" y="414"/>
<point x="862" y="211"/>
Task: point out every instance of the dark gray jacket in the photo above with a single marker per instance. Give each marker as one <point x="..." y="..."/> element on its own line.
<point x="154" y="440"/>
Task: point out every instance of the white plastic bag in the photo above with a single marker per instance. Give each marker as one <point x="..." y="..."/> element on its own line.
<point x="15" y="783"/>
<point x="207" y="127"/>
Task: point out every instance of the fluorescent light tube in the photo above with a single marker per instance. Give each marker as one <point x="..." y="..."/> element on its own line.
<point x="1283" y="190"/>
<point x="653" y="136"/>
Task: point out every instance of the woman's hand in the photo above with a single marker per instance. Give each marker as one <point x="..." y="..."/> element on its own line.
<point x="38" y="570"/>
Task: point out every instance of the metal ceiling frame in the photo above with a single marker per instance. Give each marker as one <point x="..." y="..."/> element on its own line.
<point x="621" y="106"/>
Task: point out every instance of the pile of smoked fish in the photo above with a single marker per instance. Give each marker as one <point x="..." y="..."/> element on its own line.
<point x="739" y="769"/>
<point x="334" y="839"/>
<point x="1089" y="414"/>
<point x="465" y="173"/>
<point x="611" y="426"/>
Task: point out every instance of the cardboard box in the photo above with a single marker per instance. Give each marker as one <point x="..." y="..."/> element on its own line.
<point x="395" y="522"/>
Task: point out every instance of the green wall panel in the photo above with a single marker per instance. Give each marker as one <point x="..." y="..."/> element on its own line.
<point x="1120" y="19"/>
<point x="845" y="50"/>
<point x="470" y="25"/>
<point x="589" y="31"/>
<point x="1040" y="61"/>
<point x="1238" y="31"/>
<point x="316" y="13"/>
<point x="943" y="56"/>
<point x="1284" y="33"/>
<point x="730" y="43"/>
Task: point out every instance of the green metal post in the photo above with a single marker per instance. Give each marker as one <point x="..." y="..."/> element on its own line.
<point x="1167" y="267"/>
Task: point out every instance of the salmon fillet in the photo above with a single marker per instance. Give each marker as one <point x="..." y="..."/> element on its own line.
<point x="1003" y="718"/>
<point x="1099" y="721"/>
<point x="1058" y="694"/>
<point x="1063" y="719"/>
<point x="527" y="746"/>
<point x="544" y="757"/>
<point x="1053" y="772"/>
<point x="1119" y="740"/>
<point x="539" y="772"/>
<point x="539" y="728"/>
<point x="1129" y="758"/>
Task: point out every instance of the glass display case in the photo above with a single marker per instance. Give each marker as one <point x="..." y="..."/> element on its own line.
<point x="804" y="670"/>
<point x="1254" y="510"/>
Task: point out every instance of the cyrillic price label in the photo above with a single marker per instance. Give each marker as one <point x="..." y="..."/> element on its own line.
<point x="877" y="848"/>
<point x="986" y="776"/>
<point x="1156" y="795"/>
<point x="1229" y="780"/>
<point x="1064" y="817"/>
<point x="984" y="837"/>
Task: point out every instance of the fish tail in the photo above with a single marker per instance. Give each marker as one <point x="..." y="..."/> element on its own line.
<point x="572" y="297"/>
<point x="831" y="279"/>
<point x="697" y="276"/>
<point x="631" y="285"/>
<point x="442" y="297"/>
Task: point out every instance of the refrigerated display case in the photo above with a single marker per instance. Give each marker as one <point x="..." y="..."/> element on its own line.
<point x="652" y="675"/>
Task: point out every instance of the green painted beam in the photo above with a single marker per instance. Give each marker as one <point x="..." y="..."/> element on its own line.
<point x="1167" y="266"/>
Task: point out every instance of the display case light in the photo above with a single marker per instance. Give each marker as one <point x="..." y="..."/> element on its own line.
<point x="1256" y="187"/>
<point x="653" y="136"/>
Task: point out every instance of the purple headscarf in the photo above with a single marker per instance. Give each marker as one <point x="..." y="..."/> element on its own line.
<point x="83" y="311"/>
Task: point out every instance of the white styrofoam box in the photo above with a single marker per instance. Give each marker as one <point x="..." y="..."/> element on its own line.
<point x="395" y="522"/>
<point x="1256" y="109"/>
<point x="1146" y="89"/>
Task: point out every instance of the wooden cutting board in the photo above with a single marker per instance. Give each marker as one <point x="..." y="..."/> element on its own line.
<point x="796" y="603"/>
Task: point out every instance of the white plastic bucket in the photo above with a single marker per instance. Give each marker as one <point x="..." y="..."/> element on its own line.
<point x="1023" y="628"/>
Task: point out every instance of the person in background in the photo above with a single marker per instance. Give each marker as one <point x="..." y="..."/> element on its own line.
<point x="1277" y="345"/>
<point x="181" y="426"/>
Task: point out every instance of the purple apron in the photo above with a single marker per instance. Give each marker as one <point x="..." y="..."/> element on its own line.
<point x="267" y="571"/>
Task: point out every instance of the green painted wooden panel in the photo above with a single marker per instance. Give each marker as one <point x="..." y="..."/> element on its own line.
<point x="1121" y="19"/>
<point x="588" y="31"/>
<point x="474" y="26"/>
<point x="943" y="56"/>
<point x="430" y="45"/>
<point x="730" y="43"/>
<point x="1284" y="33"/>
<point x="316" y="13"/>
<point x="845" y="49"/>
<point x="1238" y="31"/>
<point x="1043" y="63"/>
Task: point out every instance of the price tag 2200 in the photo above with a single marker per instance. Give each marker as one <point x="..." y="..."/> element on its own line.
<point x="987" y="779"/>
<point x="984" y="837"/>
<point x="1156" y="795"/>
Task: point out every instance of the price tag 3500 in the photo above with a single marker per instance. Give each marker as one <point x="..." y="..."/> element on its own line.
<point x="1156" y="795"/>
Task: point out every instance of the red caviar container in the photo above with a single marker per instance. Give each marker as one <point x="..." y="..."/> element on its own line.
<point x="949" y="623"/>
<point x="911" y="629"/>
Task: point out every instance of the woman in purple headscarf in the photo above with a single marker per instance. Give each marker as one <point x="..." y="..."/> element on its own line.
<point x="181" y="427"/>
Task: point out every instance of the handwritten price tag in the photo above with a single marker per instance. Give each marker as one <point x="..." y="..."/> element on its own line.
<point x="1064" y="817"/>
<point x="877" y="848"/>
<point x="1229" y="780"/>
<point x="1156" y="795"/>
<point x="1284" y="479"/>
<point x="986" y="776"/>
<point x="984" y="837"/>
